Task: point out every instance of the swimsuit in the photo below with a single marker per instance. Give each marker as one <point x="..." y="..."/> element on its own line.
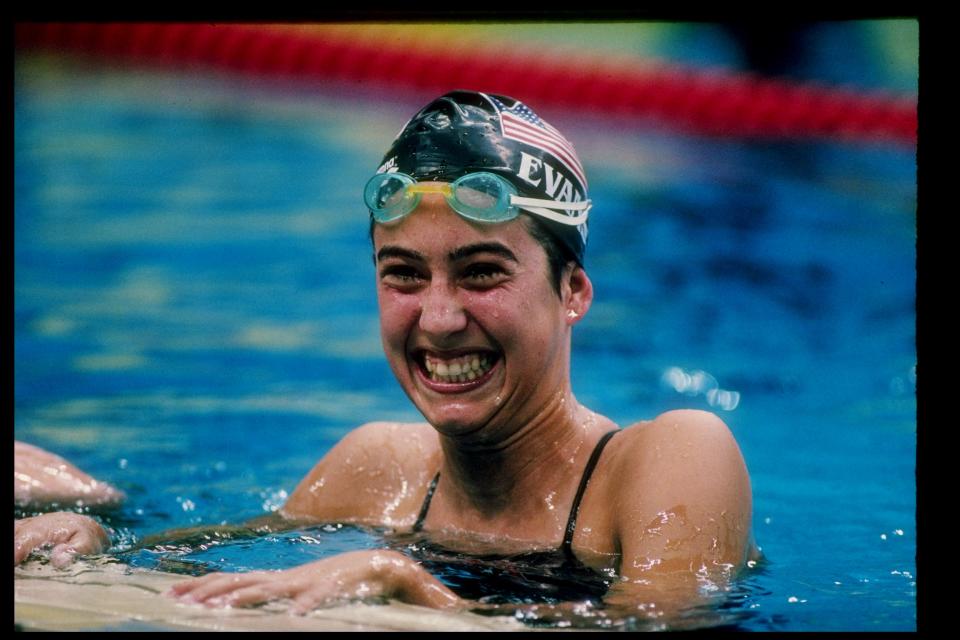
<point x="531" y="577"/>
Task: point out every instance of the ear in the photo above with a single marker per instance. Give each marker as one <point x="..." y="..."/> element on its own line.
<point x="577" y="293"/>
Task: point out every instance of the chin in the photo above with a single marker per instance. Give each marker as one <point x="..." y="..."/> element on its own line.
<point x="454" y="420"/>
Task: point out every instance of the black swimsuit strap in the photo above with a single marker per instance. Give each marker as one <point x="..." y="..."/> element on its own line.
<point x="567" y="545"/>
<point x="418" y="525"/>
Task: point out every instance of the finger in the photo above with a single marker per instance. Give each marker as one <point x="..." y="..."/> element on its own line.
<point x="20" y="524"/>
<point x="86" y="542"/>
<point x="21" y="551"/>
<point x="186" y="586"/>
<point x="180" y="588"/>
<point x="24" y="545"/>
<point x="186" y="589"/>
<point x="250" y="595"/>
<point x="306" y="602"/>
<point x="63" y="555"/>
<point x="216" y="585"/>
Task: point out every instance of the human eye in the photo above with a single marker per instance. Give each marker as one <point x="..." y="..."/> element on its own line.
<point x="483" y="274"/>
<point x="400" y="276"/>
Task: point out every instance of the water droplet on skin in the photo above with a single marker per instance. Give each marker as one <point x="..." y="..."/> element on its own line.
<point x="549" y="500"/>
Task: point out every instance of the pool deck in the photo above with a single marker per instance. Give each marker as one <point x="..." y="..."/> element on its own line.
<point x="92" y="596"/>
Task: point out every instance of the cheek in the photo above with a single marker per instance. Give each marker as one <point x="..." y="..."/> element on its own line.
<point x="484" y="306"/>
<point x="398" y="312"/>
<point x="523" y="317"/>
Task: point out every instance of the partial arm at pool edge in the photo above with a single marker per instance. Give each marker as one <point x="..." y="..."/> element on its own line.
<point x="41" y="479"/>
<point x="356" y="575"/>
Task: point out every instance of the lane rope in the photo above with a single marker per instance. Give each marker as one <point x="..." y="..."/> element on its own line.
<point x="707" y="102"/>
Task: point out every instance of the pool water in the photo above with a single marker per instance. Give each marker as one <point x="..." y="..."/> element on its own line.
<point x="195" y="318"/>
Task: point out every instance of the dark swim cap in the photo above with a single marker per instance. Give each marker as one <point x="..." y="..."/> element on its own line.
<point x="466" y="131"/>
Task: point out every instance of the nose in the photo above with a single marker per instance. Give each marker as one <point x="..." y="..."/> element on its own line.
<point x="441" y="312"/>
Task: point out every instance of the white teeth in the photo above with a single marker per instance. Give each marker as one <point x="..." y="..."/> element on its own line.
<point x="463" y="369"/>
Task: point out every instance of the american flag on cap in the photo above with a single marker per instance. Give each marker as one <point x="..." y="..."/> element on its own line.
<point x="520" y="123"/>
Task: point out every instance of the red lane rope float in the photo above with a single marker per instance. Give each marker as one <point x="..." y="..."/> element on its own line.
<point x="714" y="103"/>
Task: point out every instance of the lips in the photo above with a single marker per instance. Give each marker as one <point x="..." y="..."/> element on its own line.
<point x="455" y="372"/>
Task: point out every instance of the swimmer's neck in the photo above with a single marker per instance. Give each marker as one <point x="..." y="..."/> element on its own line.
<point x="520" y="470"/>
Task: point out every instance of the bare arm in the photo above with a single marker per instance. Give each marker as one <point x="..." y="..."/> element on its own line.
<point x="684" y="519"/>
<point x="41" y="478"/>
<point x="365" y="479"/>
<point x="376" y="475"/>
<point x="348" y="576"/>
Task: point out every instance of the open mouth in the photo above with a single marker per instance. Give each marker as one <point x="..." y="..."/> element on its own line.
<point x="467" y="369"/>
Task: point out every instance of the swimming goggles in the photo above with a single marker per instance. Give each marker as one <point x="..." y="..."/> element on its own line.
<point x="479" y="196"/>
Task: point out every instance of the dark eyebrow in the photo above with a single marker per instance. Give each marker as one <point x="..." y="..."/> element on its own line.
<point x="390" y="251"/>
<point x="482" y="247"/>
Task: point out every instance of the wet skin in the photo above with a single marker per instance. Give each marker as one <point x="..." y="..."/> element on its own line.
<point x="68" y="534"/>
<point x="668" y="508"/>
<point x="448" y="287"/>
<point x="43" y="480"/>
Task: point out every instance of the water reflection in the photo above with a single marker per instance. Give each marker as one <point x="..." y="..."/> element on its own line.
<point x="697" y="382"/>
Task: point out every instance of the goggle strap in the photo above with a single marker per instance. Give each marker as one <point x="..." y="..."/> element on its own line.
<point x="521" y="201"/>
<point x="539" y="207"/>
<point x="572" y="221"/>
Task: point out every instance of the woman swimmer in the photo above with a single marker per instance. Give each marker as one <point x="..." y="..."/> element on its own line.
<point x="478" y="217"/>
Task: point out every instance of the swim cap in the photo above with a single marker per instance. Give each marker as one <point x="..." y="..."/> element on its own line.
<point x="466" y="131"/>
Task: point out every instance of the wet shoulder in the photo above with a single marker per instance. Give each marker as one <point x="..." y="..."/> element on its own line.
<point x="682" y="462"/>
<point x="674" y="443"/>
<point x="402" y="443"/>
<point x="649" y="458"/>
<point x="377" y="475"/>
<point x="679" y="431"/>
<point x="683" y="477"/>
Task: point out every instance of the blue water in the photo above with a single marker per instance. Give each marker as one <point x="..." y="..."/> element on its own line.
<point x="195" y="317"/>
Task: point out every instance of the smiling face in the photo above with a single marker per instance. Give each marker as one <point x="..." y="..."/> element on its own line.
<point x="471" y="325"/>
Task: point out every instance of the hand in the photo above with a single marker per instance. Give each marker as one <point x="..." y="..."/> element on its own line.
<point x="71" y="534"/>
<point x="43" y="478"/>
<point x="354" y="575"/>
